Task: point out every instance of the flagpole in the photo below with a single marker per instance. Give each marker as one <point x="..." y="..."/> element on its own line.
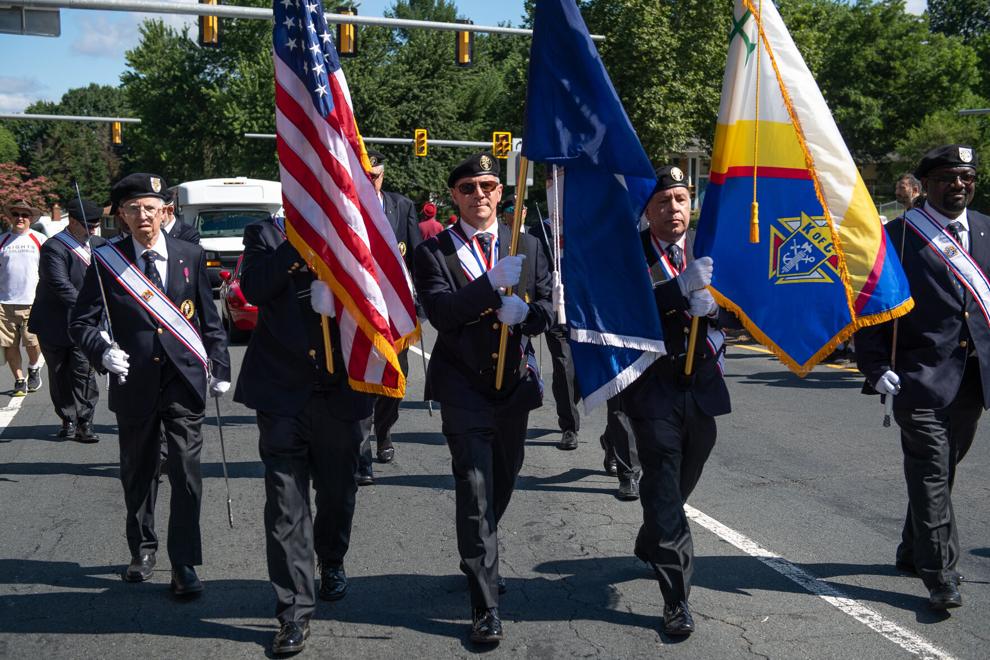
<point x="692" y="343"/>
<point x="888" y="399"/>
<point x="517" y="218"/>
<point x="327" y="342"/>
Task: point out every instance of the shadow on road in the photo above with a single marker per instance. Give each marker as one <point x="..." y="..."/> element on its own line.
<point x="816" y="380"/>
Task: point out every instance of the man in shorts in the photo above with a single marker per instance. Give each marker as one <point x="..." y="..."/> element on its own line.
<point x="20" y="255"/>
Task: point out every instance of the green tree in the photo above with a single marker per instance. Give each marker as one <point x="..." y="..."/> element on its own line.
<point x="968" y="19"/>
<point x="8" y="146"/>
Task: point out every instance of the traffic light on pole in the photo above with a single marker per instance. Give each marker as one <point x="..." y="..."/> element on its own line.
<point x="464" y="45"/>
<point x="347" y="33"/>
<point x="420" y="145"/>
<point x="209" y="27"/>
<point x="501" y="144"/>
<point x="116" y="134"/>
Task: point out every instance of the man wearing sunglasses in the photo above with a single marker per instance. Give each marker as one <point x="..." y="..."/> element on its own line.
<point x="20" y="256"/>
<point x="462" y="276"/>
<point x="401" y="214"/>
<point x="939" y="370"/>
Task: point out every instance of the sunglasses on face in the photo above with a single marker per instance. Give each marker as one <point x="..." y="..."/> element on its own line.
<point x="966" y="178"/>
<point x="20" y="214"/>
<point x="468" y="188"/>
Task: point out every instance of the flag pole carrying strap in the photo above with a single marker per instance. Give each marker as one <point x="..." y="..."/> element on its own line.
<point x="503" y="340"/>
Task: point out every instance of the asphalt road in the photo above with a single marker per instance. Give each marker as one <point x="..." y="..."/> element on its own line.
<point x="795" y="523"/>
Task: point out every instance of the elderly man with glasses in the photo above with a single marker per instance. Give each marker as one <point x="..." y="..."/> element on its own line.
<point x="166" y="350"/>
<point x="939" y="369"/>
<point x="20" y="256"/>
<point x="462" y="275"/>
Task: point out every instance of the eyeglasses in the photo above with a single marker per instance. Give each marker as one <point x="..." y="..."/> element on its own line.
<point x="137" y="209"/>
<point x="376" y="175"/>
<point x="966" y="178"/>
<point x="468" y="188"/>
<point x="20" y="214"/>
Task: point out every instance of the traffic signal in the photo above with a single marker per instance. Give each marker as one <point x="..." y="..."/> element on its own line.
<point x="464" y="45"/>
<point x="347" y="33"/>
<point x="116" y="134"/>
<point x="501" y="144"/>
<point x="209" y="27"/>
<point x="420" y="145"/>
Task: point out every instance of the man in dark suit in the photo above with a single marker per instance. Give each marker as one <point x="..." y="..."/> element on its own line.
<point x="672" y="415"/>
<point x="170" y="347"/>
<point x="310" y="424"/>
<point x="401" y="214"/>
<point x="173" y="226"/>
<point x="64" y="260"/>
<point x="461" y="276"/>
<point x="565" y="391"/>
<point x="938" y="372"/>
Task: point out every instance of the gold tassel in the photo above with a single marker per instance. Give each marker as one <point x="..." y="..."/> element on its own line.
<point x="754" y="223"/>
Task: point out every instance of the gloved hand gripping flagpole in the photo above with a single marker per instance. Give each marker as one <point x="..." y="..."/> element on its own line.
<point x="121" y="378"/>
<point x="503" y="340"/>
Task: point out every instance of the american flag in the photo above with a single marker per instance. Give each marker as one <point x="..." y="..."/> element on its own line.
<point x="333" y="215"/>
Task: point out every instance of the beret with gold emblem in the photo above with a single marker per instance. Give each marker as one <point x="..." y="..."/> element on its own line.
<point x="670" y="176"/>
<point x="949" y="155"/>
<point x="140" y="184"/>
<point x="477" y="165"/>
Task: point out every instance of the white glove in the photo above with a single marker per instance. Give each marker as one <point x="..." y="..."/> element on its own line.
<point x="697" y="275"/>
<point x="513" y="310"/>
<point x="115" y="361"/>
<point x="218" y="387"/>
<point x="321" y="298"/>
<point x="701" y="303"/>
<point x="506" y="272"/>
<point x="889" y="383"/>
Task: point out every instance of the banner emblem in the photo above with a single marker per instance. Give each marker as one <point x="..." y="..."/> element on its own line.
<point x="147" y="295"/>
<point x="801" y="250"/>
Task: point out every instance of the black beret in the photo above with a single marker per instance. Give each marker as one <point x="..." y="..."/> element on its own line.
<point x="950" y="155"/>
<point x="477" y="165"/>
<point x="85" y="211"/>
<point x="508" y="202"/>
<point x="376" y="157"/>
<point x="669" y="176"/>
<point x="138" y="185"/>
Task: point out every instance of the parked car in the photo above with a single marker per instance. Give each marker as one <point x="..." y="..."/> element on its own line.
<point x="238" y="315"/>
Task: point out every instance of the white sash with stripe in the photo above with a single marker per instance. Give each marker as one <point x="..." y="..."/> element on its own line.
<point x="473" y="262"/>
<point x="77" y="248"/>
<point x="663" y="271"/>
<point x="959" y="262"/>
<point x="156" y="303"/>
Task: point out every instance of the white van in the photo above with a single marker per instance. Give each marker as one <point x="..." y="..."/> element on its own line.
<point x="220" y="209"/>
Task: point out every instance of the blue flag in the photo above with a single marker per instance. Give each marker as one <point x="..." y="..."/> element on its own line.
<point x="574" y="119"/>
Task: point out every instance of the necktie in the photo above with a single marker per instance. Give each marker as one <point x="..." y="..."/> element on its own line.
<point x="676" y="256"/>
<point x="151" y="270"/>
<point x="485" y="241"/>
<point x="955" y="228"/>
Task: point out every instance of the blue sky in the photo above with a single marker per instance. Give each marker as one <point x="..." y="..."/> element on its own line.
<point x="91" y="48"/>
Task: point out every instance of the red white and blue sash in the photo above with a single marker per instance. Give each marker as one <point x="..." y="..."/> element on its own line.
<point x="958" y="261"/>
<point x="151" y="298"/>
<point x="74" y="246"/>
<point x="665" y="270"/>
<point x="474" y="261"/>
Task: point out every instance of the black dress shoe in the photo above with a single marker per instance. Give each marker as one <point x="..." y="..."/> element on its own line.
<point x="333" y="582"/>
<point x="68" y="430"/>
<point x="140" y="568"/>
<point x="944" y="596"/>
<point x="385" y="452"/>
<point x="609" y="463"/>
<point x="84" y="434"/>
<point x="568" y="441"/>
<point x="291" y="638"/>
<point x="677" y="620"/>
<point x="501" y="584"/>
<point x="185" y="582"/>
<point x="486" y="627"/>
<point x="628" y="489"/>
<point x="365" y="477"/>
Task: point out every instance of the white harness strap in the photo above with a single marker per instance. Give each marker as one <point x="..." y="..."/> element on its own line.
<point x="959" y="262"/>
<point x="156" y="303"/>
<point x="77" y="248"/>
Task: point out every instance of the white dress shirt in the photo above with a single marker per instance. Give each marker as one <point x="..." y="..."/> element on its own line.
<point x="161" y="262"/>
<point x="962" y="220"/>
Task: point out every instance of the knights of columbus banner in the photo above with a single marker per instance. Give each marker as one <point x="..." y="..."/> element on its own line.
<point x="823" y="266"/>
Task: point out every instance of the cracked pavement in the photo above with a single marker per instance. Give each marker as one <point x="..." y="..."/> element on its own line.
<point x="801" y="467"/>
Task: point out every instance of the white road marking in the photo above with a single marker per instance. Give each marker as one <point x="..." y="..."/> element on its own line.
<point x="904" y="638"/>
<point x="419" y="351"/>
<point x="9" y="411"/>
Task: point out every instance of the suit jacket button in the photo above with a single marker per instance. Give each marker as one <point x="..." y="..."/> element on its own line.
<point x="156" y="360"/>
<point x="963" y="344"/>
<point x="312" y="352"/>
<point x="495" y="326"/>
<point x="159" y="331"/>
<point x="494" y="356"/>
<point x="965" y="315"/>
